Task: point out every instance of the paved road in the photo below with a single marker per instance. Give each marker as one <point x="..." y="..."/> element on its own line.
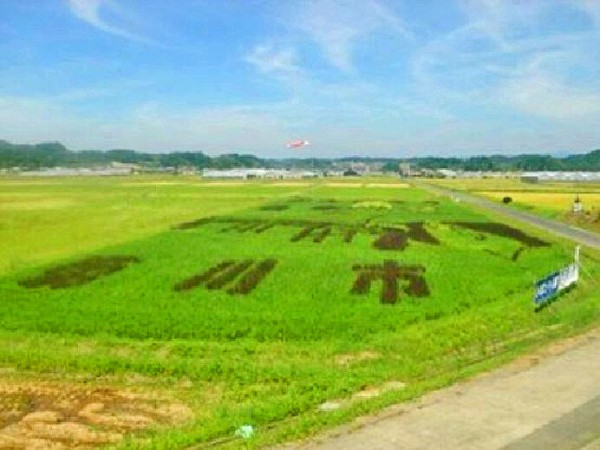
<point x="546" y="401"/>
<point x="578" y="235"/>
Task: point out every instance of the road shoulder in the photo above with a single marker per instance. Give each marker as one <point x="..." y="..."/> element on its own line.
<point x="544" y="397"/>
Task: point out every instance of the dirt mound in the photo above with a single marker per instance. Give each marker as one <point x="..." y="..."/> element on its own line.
<point x="52" y="416"/>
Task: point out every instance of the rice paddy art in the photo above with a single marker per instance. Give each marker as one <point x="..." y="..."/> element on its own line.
<point x="391" y="274"/>
<point x="242" y="276"/>
<point x="241" y="302"/>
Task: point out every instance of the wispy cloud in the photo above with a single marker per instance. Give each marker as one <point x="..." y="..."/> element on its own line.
<point x="90" y="11"/>
<point x="269" y="60"/>
<point x="336" y="26"/>
<point x="543" y="96"/>
<point x="499" y="58"/>
<point x="352" y="76"/>
<point x="150" y="126"/>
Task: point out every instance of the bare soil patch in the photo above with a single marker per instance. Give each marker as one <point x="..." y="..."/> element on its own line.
<point x="347" y="359"/>
<point x="366" y="393"/>
<point x="79" y="272"/>
<point x="58" y="416"/>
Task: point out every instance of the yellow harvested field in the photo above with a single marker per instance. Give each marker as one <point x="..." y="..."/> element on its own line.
<point x="34" y="205"/>
<point x="158" y="183"/>
<point x="222" y="183"/>
<point x="287" y="183"/>
<point x="558" y="201"/>
<point x="505" y="185"/>
<point x="388" y="185"/>
<point x="370" y="185"/>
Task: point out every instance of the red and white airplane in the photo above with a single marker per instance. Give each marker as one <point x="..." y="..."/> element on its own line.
<point x="298" y="143"/>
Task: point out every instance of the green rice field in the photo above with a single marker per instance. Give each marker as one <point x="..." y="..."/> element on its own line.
<point x="257" y="303"/>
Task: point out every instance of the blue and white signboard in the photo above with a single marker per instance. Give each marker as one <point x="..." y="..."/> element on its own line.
<point x="551" y="285"/>
<point x="546" y="288"/>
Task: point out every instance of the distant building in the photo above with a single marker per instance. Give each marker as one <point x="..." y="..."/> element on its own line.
<point x="259" y="173"/>
<point x="446" y="173"/>
<point x="81" y="171"/>
<point x="125" y="166"/>
<point x="562" y="176"/>
<point x="404" y="169"/>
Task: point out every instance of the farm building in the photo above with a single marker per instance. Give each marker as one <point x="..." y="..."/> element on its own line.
<point x="561" y="176"/>
<point x="82" y="171"/>
<point x="246" y="174"/>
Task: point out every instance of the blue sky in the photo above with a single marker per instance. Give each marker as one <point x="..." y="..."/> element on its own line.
<point x="369" y="77"/>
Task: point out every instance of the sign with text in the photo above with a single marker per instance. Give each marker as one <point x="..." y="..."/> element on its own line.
<point x="551" y="285"/>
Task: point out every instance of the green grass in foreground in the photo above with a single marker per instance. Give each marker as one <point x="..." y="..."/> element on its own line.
<point x="271" y="357"/>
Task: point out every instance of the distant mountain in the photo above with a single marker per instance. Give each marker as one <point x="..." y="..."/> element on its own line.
<point x="53" y="154"/>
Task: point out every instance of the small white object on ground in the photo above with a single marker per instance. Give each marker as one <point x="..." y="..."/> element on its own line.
<point x="245" y="431"/>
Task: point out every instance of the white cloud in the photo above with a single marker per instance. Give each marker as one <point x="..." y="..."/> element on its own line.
<point x="147" y="127"/>
<point x="507" y="55"/>
<point x="89" y="11"/>
<point x="481" y="87"/>
<point x="543" y="96"/>
<point x="264" y="130"/>
<point x="269" y="60"/>
<point x="337" y="25"/>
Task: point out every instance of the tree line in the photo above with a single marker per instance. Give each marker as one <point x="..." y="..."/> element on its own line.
<point x="53" y="154"/>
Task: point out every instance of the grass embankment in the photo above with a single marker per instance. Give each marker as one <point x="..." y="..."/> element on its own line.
<point x="300" y="333"/>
